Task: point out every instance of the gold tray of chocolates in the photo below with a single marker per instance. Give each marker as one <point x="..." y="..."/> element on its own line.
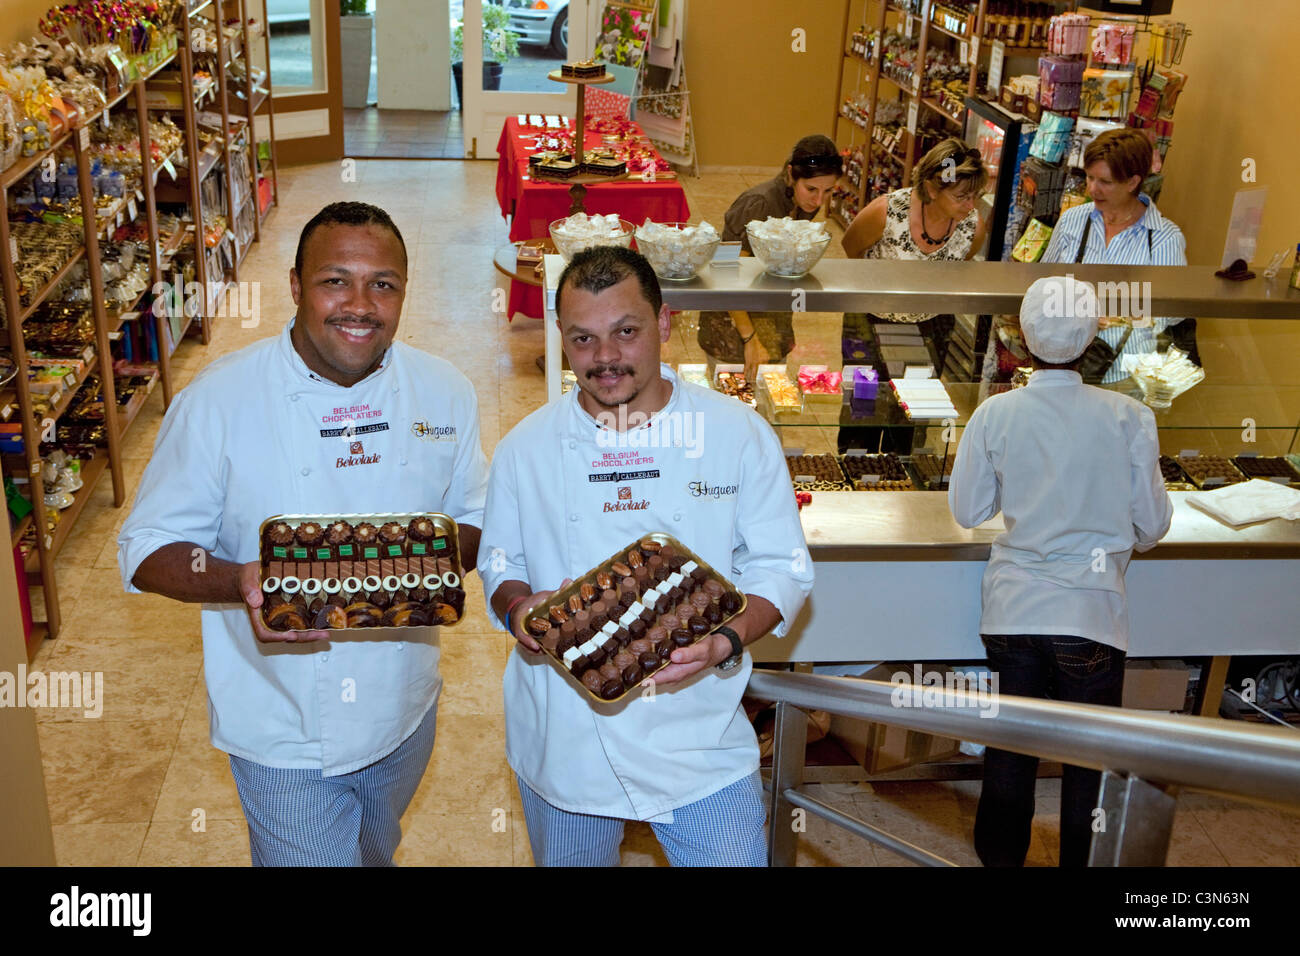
<point x="360" y="572"/>
<point x="603" y="636"/>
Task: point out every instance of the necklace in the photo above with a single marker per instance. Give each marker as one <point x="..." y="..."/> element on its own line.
<point x="929" y="238"/>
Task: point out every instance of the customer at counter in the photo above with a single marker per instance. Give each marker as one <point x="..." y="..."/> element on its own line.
<point x="933" y="219"/>
<point x="1121" y="226"/>
<point x="1075" y="471"/>
<point x="797" y="192"/>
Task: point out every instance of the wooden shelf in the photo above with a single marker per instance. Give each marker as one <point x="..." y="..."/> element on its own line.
<point x="45" y="290"/>
<point x="128" y="414"/>
<point x="949" y="33"/>
<point x="934" y="107"/>
<point x="90" y="472"/>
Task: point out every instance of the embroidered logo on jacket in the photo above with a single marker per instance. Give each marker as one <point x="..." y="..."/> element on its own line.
<point x="426" y="432"/>
<point x="702" y="489"/>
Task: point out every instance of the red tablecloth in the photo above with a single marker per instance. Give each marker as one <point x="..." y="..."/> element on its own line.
<point x="532" y="206"/>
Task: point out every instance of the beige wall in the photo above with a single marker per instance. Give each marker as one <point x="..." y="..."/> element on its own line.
<point x="1240" y="102"/>
<point x="18" y="19"/>
<point x="752" y="98"/>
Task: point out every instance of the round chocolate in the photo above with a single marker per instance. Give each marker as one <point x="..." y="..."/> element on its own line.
<point x="713" y="614"/>
<point x="593" y="681"/>
<point x="309" y="534"/>
<point x="639" y="646"/>
<point x="609" y="597"/>
<point x="669" y="622"/>
<point x="648" y="660"/>
<point x="392" y="533"/>
<point x="611" y="689"/>
<point x="628" y="583"/>
<point x="340" y="532"/>
<point x="656" y="635"/>
<point x="684" y="612"/>
<point x="667" y="551"/>
<point x="665" y="651"/>
<point x="654" y="562"/>
<point x="637" y="629"/>
<point x="583" y="618"/>
<point x="365" y="533"/>
<point x="713" y="589"/>
<point x="551" y="643"/>
<point x="700" y="599"/>
<point x="682" y="637"/>
<point x="643" y="575"/>
<point x="611" y="671"/>
<point x="568" y="629"/>
<point x="279" y="534"/>
<point x="420" y="529"/>
<point x="698" y="625"/>
<point x="381" y="599"/>
<point x="598" y="607"/>
<point x="729" y="602"/>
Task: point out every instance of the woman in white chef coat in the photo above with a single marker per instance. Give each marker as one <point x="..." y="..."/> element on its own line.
<point x="634" y="450"/>
<point x="328" y="739"/>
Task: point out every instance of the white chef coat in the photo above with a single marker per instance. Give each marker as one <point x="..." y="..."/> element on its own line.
<point x="258" y="434"/>
<point x="1075" y="472"/>
<point x="559" y="503"/>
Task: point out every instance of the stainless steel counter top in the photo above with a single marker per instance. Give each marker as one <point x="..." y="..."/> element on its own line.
<point x="917" y="526"/>
<point x="857" y="285"/>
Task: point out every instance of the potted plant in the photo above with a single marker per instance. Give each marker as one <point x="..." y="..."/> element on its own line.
<point x="500" y="46"/>
<point x="356" y="44"/>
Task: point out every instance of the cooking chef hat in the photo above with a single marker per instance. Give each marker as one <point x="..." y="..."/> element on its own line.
<point x="1058" y="317"/>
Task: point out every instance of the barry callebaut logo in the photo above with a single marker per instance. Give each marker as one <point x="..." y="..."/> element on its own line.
<point x="702" y="489"/>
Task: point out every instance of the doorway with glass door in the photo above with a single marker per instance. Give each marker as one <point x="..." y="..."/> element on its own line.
<point x="398" y="101"/>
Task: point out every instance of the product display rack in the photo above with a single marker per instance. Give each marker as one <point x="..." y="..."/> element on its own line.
<point x="922" y="23"/>
<point x="141" y="205"/>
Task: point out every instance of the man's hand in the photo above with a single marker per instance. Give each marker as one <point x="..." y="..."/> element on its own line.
<point x="521" y="608"/>
<point x="711" y="651"/>
<point x="250" y="589"/>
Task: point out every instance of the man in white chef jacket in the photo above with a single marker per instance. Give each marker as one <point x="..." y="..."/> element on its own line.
<point x="327" y="738"/>
<point x="633" y="450"/>
<point x="1075" y="471"/>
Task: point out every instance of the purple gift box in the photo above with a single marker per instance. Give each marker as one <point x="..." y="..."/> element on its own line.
<point x="865" y="383"/>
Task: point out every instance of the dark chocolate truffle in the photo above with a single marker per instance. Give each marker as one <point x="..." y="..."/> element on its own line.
<point x="682" y="637"/>
<point x="340" y="532"/>
<point x="698" y="625"/>
<point x="729" y="602"/>
<point x="309" y="534"/>
<point x="420" y="529"/>
<point x="593" y="681"/>
<point x="637" y="628"/>
<point x="392" y="533"/>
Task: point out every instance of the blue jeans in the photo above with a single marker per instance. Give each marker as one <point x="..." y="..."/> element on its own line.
<point x="1071" y="669"/>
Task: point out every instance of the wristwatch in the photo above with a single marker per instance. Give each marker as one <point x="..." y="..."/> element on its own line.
<point x="737" y="649"/>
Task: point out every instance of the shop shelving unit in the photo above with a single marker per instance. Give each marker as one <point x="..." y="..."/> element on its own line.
<point x="867" y="73"/>
<point x="185" y="186"/>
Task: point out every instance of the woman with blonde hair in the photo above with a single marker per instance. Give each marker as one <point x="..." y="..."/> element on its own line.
<point x="934" y="218"/>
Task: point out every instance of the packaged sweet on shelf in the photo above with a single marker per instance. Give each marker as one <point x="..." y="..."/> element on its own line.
<point x="695" y="373"/>
<point x="619" y="623"/>
<point x="934" y="472"/>
<point x="732" y="382"/>
<point x="1210" y="470"/>
<point x="348" y="572"/>
<point x="583" y="69"/>
<point x="817" y="382"/>
<point x="877" y="472"/>
<point x="1270" y="469"/>
<point x="781" y="392"/>
<point x="816" y="473"/>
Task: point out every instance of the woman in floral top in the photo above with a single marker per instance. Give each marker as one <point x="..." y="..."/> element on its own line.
<point x="933" y="219"/>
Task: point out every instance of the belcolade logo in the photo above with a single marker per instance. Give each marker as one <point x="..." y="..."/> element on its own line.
<point x="426" y="432"/>
<point x="625" y="494"/>
<point x="702" y="489"/>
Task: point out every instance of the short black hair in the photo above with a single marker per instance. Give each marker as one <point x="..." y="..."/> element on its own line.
<point x="598" y="268"/>
<point x="346" y="214"/>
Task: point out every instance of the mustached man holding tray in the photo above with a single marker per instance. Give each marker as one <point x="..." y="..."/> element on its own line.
<point x="631" y="451"/>
<point x="328" y="736"/>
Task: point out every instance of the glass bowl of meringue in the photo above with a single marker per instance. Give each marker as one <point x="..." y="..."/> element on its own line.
<point x="788" y="248"/>
<point x="580" y="231"/>
<point x="677" y="250"/>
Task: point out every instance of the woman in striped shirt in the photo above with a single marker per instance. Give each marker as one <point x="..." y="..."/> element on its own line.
<point x="1121" y="226"/>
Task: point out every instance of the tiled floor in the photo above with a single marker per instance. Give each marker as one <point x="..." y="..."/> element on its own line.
<point x="373" y="133"/>
<point x="142" y="784"/>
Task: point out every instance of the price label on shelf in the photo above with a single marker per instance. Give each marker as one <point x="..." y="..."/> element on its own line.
<point x="912" y="110"/>
<point x="104" y="121"/>
<point x="49" y="542"/>
<point x="1190" y="453"/>
<point x="6" y="412"/>
<point x="995" y="66"/>
<point x="171" y="170"/>
<point x="907" y="25"/>
<point x="13" y="249"/>
<point x="87" y="354"/>
<point x="139" y="196"/>
<point x="965" y="52"/>
<point x="916" y="84"/>
<point x="974" y="49"/>
<point x="35" y="468"/>
<point x="130" y="208"/>
<point x="83" y="137"/>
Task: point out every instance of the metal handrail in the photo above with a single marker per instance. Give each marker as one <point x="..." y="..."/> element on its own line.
<point x="1259" y="764"/>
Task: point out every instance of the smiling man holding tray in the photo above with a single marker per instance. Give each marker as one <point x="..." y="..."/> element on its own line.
<point x="634" y="454"/>
<point x="328" y="733"/>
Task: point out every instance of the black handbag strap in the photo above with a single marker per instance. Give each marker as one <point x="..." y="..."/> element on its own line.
<point x="1083" y="241"/>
